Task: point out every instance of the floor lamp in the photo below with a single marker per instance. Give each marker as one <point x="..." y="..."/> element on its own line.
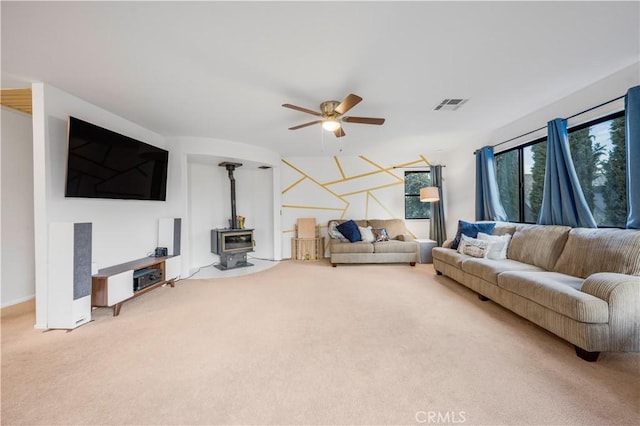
<point x="429" y="194"/>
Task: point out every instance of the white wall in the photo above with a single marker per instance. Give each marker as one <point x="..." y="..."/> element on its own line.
<point x="207" y="200"/>
<point x="349" y="187"/>
<point x="601" y="91"/>
<point x="210" y="207"/>
<point x="18" y="265"/>
<point x="461" y="164"/>
<point x="127" y="229"/>
<point x="460" y="185"/>
<point x="123" y="230"/>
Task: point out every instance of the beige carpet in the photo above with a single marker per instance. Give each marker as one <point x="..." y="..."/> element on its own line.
<point x="304" y="343"/>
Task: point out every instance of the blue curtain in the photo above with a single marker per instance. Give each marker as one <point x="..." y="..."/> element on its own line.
<point x="632" y="134"/>
<point x="488" y="203"/>
<point x="563" y="201"/>
<point x="437" y="228"/>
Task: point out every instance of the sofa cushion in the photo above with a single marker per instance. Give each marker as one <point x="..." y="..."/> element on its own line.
<point x="394" y="227"/>
<point x="489" y="269"/>
<point x="503" y="228"/>
<point x="380" y="234"/>
<point x="366" y="234"/>
<point x="558" y="292"/>
<point x="449" y="256"/>
<point x="357" y="247"/>
<point x="472" y="246"/>
<point x="333" y="232"/>
<point x="392" y="246"/>
<point x="498" y="245"/>
<point x="350" y="230"/>
<point x="538" y="245"/>
<point x="589" y="251"/>
<point x="471" y="230"/>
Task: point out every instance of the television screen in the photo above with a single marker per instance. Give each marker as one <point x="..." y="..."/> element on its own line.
<point x="105" y="164"/>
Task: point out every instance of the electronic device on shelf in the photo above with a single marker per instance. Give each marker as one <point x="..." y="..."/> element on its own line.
<point x="143" y="278"/>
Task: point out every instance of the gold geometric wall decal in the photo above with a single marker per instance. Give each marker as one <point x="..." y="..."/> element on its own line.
<point x="359" y="176"/>
<point x="412" y="163"/>
<point x="425" y="160"/>
<point x="292" y="206"/>
<point x="310" y="178"/>
<point x="293" y="184"/>
<point x="339" y="167"/>
<point x="387" y="170"/>
<point x="365" y="188"/>
<point x="371" y="189"/>
<point x="370" y="195"/>
<point x="307" y="193"/>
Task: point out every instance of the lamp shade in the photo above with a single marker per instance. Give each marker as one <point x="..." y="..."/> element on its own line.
<point x="429" y="194"/>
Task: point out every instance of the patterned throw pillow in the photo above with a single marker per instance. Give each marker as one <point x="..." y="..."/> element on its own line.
<point x="498" y="245"/>
<point x="471" y="230"/>
<point x="380" y="234"/>
<point x="366" y="234"/>
<point x="473" y="247"/>
<point x="334" y="233"/>
<point x="350" y="230"/>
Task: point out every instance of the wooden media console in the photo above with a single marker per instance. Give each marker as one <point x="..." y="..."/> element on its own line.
<point x="113" y="286"/>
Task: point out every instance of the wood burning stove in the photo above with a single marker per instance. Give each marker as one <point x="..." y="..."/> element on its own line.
<point x="232" y="244"/>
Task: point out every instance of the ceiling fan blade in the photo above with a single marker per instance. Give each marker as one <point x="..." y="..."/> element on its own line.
<point x="349" y="102"/>
<point x="297" y="108"/>
<point x="300" y="126"/>
<point x="363" y="120"/>
<point x="339" y="132"/>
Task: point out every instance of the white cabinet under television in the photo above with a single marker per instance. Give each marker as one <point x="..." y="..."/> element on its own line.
<point x="114" y="285"/>
<point x="120" y="287"/>
<point x="172" y="267"/>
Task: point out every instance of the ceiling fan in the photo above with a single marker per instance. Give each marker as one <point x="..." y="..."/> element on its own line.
<point x="332" y="115"/>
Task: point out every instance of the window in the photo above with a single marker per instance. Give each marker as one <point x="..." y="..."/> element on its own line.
<point x="599" y="156"/>
<point x="507" y="166"/>
<point x="520" y="173"/>
<point x="598" y="150"/>
<point x="413" y="208"/>
<point x="534" y="164"/>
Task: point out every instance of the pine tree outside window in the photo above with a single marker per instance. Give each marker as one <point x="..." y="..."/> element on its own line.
<point x="413" y="208"/>
<point x="598" y="151"/>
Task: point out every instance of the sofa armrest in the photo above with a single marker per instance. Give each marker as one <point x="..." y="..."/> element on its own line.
<point x="609" y="285"/>
<point x="622" y="293"/>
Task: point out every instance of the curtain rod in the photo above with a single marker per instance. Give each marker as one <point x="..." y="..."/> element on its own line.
<point x="418" y="167"/>
<point x="568" y="118"/>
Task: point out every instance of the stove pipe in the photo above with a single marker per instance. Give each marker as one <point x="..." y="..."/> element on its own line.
<point x="230" y="168"/>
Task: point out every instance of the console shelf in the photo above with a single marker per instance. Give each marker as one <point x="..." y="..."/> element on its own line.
<point x="113" y="286"/>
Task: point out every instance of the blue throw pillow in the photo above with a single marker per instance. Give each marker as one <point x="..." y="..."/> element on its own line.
<point x="350" y="230"/>
<point x="471" y="230"/>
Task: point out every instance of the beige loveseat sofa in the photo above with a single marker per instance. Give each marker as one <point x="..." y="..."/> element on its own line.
<point x="581" y="284"/>
<point x="401" y="248"/>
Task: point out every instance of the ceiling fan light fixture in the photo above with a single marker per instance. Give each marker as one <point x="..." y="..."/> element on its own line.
<point x="331" y="124"/>
<point x="332" y="115"/>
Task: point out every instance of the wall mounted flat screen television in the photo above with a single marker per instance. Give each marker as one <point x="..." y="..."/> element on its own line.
<point x="105" y="164"/>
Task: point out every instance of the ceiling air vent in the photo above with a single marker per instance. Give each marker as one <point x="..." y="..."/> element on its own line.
<point x="450" y="104"/>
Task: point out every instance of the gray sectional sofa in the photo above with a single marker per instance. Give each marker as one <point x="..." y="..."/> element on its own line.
<point x="401" y="248"/>
<point x="581" y="284"/>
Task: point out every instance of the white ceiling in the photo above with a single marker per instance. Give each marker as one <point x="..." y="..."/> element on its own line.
<point x="223" y="69"/>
